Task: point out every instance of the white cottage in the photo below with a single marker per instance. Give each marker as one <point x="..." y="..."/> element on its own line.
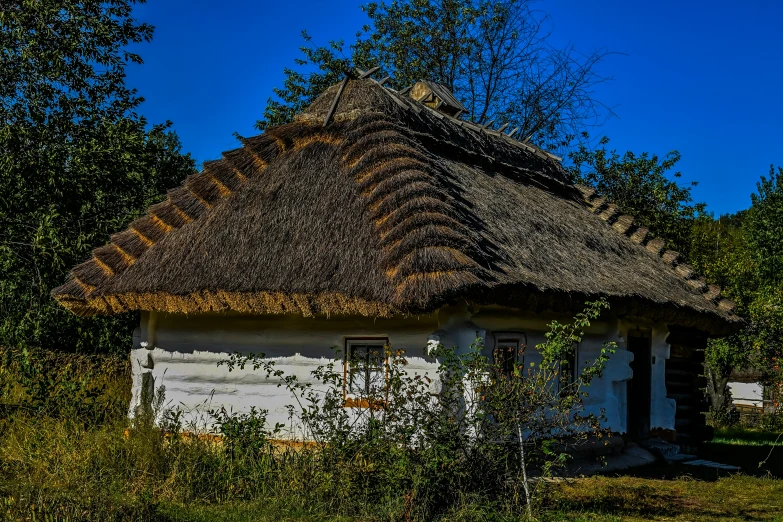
<point x="379" y="217"/>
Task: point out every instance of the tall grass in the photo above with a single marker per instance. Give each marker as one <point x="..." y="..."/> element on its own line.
<point x="69" y="451"/>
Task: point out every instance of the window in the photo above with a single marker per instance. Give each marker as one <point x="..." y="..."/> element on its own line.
<point x="509" y="352"/>
<point x="569" y="367"/>
<point x="364" y="370"/>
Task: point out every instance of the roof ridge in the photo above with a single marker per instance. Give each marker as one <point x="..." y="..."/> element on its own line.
<point x="418" y="106"/>
<point x="640" y="235"/>
<point x="405" y="104"/>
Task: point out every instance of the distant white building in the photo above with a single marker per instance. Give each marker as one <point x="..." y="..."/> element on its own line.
<point x="747" y="393"/>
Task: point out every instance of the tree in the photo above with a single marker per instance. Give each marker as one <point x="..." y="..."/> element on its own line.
<point x="719" y="251"/>
<point x="76" y="161"/>
<point x="764" y="234"/>
<point x="738" y="252"/>
<point x="764" y="227"/>
<point x="495" y="55"/>
<point x="639" y="186"/>
<point x="743" y="254"/>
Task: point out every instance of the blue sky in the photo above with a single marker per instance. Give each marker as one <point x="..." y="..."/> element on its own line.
<point x="702" y="77"/>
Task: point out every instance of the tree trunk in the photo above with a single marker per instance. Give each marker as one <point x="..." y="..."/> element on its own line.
<point x="718" y="389"/>
<point x="525" y="485"/>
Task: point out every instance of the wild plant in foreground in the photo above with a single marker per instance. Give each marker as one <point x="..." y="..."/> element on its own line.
<point x="479" y="426"/>
<point x="475" y="435"/>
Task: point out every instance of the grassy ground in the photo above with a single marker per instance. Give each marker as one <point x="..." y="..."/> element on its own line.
<point x="757" y="452"/>
<point x="52" y="469"/>
<point x="618" y="498"/>
<point x="657" y="492"/>
<point x="63" y="461"/>
<point x="626" y="498"/>
<point x="747" y="437"/>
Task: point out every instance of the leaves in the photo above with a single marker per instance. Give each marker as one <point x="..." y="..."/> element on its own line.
<point x="764" y="227"/>
<point x="495" y="55"/>
<point x="76" y="161"/>
<point x="641" y="186"/>
<point x="743" y="253"/>
<point x="435" y="443"/>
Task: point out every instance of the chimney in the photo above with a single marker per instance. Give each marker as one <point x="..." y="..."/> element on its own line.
<point x="436" y="96"/>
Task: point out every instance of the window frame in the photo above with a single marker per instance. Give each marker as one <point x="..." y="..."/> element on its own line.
<point x="573" y="368"/>
<point x="519" y="339"/>
<point x="350" y="399"/>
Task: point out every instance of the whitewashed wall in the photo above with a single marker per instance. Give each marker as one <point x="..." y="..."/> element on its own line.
<point x="188" y="348"/>
<point x="182" y="354"/>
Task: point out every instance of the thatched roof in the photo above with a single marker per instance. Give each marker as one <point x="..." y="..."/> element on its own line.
<point x="391" y="208"/>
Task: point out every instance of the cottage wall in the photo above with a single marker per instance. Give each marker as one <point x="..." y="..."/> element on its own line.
<point x="182" y="353"/>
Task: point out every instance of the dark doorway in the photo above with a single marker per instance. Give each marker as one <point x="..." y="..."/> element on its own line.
<point x="639" y="387"/>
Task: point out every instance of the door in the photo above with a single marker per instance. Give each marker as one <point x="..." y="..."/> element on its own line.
<point x="640" y="385"/>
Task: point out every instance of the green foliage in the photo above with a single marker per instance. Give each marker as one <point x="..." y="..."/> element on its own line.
<point x="764" y="227"/>
<point x="642" y="186"/>
<point x="68" y="469"/>
<point x="720" y="252"/>
<point x="420" y="448"/>
<point x="427" y="40"/>
<point x="66" y="386"/>
<point x="495" y="55"/>
<point x="474" y="429"/>
<point x="244" y="433"/>
<point x="725" y="354"/>
<point x="763" y="230"/>
<point x="766" y="335"/>
<point x="76" y="161"/>
<point x="326" y="67"/>
<point x="724" y="417"/>
<point x="742" y="253"/>
<point x="772" y="423"/>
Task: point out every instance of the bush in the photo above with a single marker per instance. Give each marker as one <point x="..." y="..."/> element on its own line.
<point x="475" y="443"/>
<point x="771" y="422"/>
<point x="90" y="388"/>
<point x="484" y="432"/>
<point x="725" y="417"/>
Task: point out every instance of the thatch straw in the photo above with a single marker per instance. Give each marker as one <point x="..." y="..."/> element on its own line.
<point x="391" y="208"/>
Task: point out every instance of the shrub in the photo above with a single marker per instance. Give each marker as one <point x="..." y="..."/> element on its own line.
<point x="472" y="438"/>
<point x="725" y="417"/>
<point x="483" y="432"/>
<point x="771" y="422"/>
<point x="93" y="389"/>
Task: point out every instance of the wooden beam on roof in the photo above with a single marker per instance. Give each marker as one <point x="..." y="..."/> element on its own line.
<point x="335" y="101"/>
<point x="503" y="127"/>
<point x="393" y="94"/>
<point x="365" y="74"/>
